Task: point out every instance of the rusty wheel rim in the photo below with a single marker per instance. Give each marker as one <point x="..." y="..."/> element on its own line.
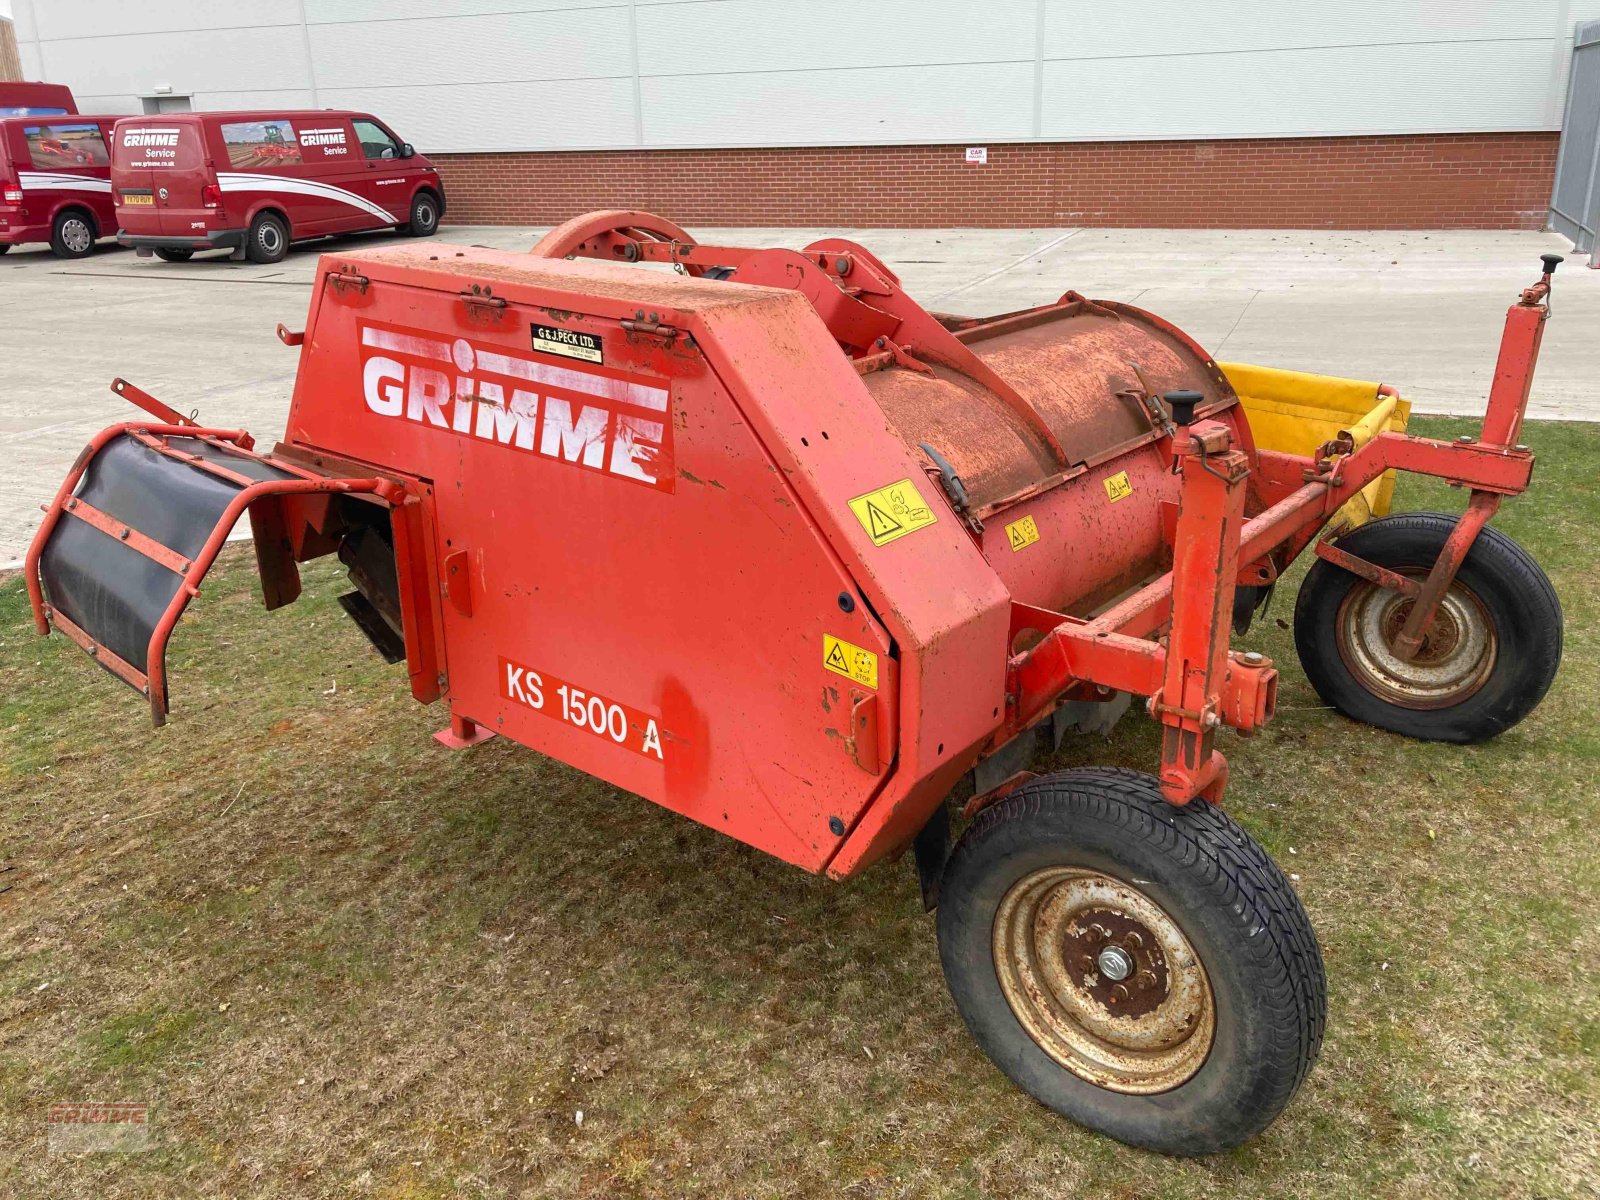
<point x="1061" y="936"/>
<point x="1454" y="661"/>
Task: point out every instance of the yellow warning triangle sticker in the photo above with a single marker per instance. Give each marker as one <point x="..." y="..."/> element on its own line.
<point x="882" y="524"/>
<point x="891" y="512"/>
<point x="853" y="662"/>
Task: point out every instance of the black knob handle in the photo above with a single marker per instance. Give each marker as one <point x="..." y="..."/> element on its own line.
<point x="1550" y="261"/>
<point x="1182" y="403"/>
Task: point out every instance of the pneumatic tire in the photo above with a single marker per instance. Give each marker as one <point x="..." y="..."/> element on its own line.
<point x="424" y="219"/>
<point x="1486" y="663"/>
<point x="1142" y="969"/>
<point x="72" y="234"/>
<point x="267" y="240"/>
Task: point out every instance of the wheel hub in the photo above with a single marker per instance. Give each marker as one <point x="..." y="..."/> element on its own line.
<point x="1117" y="961"/>
<point x="1114" y="963"/>
<point x="1103" y="980"/>
<point x="1455" y="658"/>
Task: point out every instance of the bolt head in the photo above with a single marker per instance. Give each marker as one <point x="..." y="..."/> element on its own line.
<point x="1466" y="439"/>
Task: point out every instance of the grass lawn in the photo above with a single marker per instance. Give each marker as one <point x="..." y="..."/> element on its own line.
<point x="338" y="960"/>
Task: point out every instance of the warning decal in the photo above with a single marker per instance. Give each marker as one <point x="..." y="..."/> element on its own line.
<point x="1118" y="487"/>
<point x="1023" y="533"/>
<point x="854" y="663"/>
<point x="892" y="512"/>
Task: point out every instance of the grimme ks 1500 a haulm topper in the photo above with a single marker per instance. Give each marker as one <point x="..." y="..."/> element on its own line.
<point x="766" y="542"/>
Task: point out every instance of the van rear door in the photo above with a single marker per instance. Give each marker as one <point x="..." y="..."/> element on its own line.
<point x="10" y="184"/>
<point x="180" y="189"/>
<point x="157" y="171"/>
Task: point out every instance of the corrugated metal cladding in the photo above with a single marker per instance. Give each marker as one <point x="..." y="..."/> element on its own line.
<point x="495" y="75"/>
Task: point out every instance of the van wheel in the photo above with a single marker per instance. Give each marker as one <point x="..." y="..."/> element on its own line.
<point x="166" y="255"/>
<point x="1143" y="969"/>
<point x="424" y="216"/>
<point x="268" y="240"/>
<point x="72" y="236"/>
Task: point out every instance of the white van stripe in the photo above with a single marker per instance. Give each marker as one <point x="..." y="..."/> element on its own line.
<point x="39" y="181"/>
<point x="254" y="182"/>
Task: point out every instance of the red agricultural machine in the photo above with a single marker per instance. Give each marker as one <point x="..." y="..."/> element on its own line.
<point x="764" y="541"/>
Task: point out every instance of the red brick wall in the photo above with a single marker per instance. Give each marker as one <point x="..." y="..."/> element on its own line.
<point x="1431" y="181"/>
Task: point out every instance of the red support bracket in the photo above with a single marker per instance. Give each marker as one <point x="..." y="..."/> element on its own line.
<point x="1420" y="619"/>
<point x="1369" y="571"/>
<point x="161" y="412"/>
<point x="1205" y="566"/>
<point x="463" y="732"/>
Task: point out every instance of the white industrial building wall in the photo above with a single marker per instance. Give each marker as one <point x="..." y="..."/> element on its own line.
<point x="484" y="75"/>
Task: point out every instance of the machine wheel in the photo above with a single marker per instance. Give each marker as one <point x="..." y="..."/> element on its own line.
<point x="72" y="235"/>
<point x="268" y="239"/>
<point x="1143" y="969"/>
<point x="167" y="255"/>
<point x="424" y="216"/>
<point x="1489" y="659"/>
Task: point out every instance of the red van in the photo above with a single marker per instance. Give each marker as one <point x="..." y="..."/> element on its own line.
<point x="36" y="100"/>
<point x="55" y="182"/>
<point x="252" y="182"/>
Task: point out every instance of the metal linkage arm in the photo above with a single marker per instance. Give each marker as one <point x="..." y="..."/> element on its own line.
<point x="1206" y="560"/>
<point x="1195" y="683"/>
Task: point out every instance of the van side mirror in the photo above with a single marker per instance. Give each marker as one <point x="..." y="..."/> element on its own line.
<point x="407" y="150"/>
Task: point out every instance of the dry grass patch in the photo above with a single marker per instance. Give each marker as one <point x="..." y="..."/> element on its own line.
<point x="340" y="961"/>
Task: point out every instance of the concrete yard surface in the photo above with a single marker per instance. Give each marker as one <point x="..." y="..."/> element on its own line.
<point x="1419" y="310"/>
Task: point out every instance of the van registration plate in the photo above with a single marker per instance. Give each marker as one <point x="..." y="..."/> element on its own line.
<point x="126" y="199"/>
